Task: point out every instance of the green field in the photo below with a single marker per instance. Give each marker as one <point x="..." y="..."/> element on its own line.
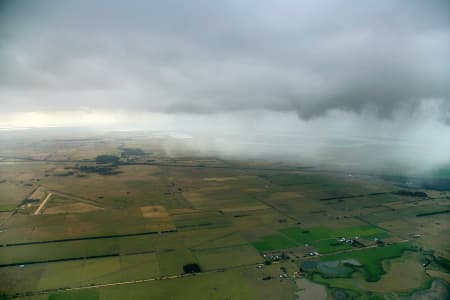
<point x="233" y="256"/>
<point x="321" y="238"/>
<point x="319" y="233"/>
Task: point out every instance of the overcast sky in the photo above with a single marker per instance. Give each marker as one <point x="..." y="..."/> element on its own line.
<point x="366" y="68"/>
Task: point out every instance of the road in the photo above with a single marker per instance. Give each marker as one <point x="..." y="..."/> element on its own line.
<point x="127" y="282"/>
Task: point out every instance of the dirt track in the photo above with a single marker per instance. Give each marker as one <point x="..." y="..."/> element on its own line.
<point x="38" y="210"/>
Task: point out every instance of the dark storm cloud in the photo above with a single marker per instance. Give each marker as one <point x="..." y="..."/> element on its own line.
<point x="377" y="57"/>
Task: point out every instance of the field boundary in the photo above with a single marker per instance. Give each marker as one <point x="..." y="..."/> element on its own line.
<point x="89" y="238"/>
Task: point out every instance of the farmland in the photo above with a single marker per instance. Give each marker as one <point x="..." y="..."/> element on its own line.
<point x="115" y="218"/>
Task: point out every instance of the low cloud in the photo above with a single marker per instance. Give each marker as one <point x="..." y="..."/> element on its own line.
<point x="205" y="57"/>
<point x="372" y="68"/>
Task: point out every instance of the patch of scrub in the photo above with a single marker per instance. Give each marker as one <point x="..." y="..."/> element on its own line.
<point x="310" y="290"/>
<point x="352" y="262"/>
<point x="308" y="266"/>
<point x="439" y="290"/>
<point x="338" y="268"/>
<point x="334" y="269"/>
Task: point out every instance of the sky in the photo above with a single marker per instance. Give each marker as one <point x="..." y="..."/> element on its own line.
<point x="319" y="70"/>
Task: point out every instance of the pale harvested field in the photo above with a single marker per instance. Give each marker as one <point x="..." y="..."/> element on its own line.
<point x="154" y="211"/>
<point x="433" y="230"/>
<point x="71" y="208"/>
<point x="39" y="193"/>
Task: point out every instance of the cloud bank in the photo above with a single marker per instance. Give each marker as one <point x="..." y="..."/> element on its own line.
<point x="204" y="57"/>
<point x="371" y="68"/>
